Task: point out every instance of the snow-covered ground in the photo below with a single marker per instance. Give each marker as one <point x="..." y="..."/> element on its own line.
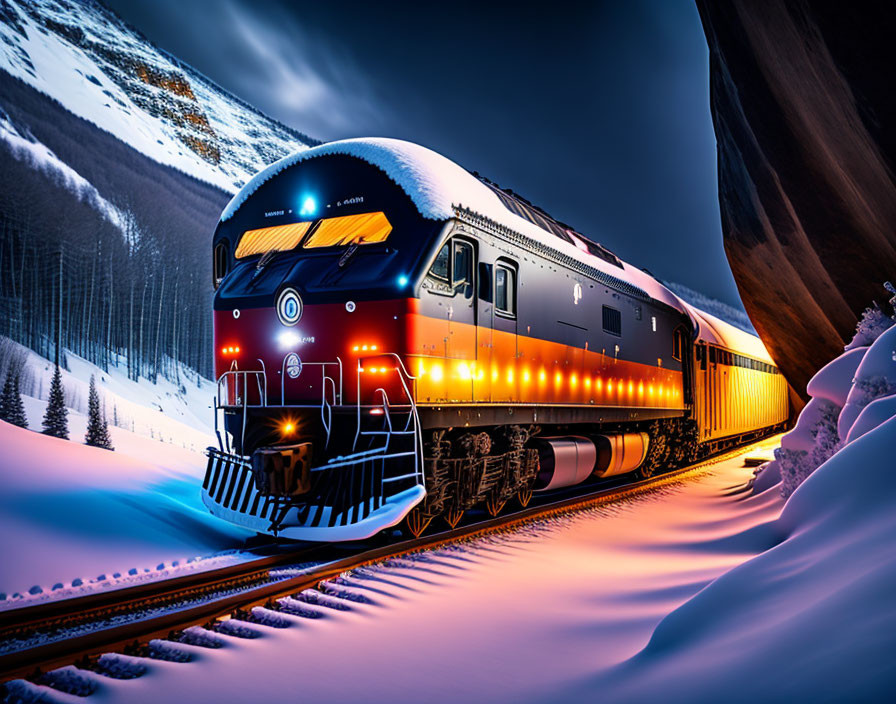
<point x="543" y="613"/>
<point x="76" y="518"/>
<point x="705" y="591"/>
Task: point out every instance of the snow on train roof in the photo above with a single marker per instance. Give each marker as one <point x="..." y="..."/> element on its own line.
<point x="717" y="332"/>
<point x="438" y="187"/>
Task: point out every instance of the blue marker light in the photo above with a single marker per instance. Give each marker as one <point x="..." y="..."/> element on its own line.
<point x="402" y="281"/>
<point x="309" y="206"/>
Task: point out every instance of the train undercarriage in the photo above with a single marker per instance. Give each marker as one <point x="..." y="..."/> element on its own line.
<point x="400" y="474"/>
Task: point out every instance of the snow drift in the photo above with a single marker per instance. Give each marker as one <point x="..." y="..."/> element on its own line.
<point x="72" y="515"/>
<point x="812" y="619"/>
<point x="76" y="518"/>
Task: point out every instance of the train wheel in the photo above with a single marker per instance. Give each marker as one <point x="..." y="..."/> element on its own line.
<point x="453" y="516"/>
<point x="657" y="453"/>
<point x="524" y="497"/>
<point x="645" y="471"/>
<point x="494" y="506"/>
<point x="416" y="522"/>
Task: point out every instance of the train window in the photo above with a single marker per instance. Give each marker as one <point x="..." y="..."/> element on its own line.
<point x="712" y="355"/>
<point x="453" y="269"/>
<point x="677" y="344"/>
<point x="219" y="265"/>
<point x="280" y="238"/>
<point x="365" y="228"/>
<point x="462" y="268"/>
<point x="439" y="268"/>
<point x="612" y="321"/>
<point x="462" y="272"/>
<point x="505" y="290"/>
<point x="701" y="356"/>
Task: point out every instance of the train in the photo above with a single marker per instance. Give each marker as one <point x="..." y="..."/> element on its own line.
<point x="399" y="340"/>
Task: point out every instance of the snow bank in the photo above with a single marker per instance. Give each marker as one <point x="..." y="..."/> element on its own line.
<point x="834" y="381"/>
<point x="841" y="391"/>
<point x="72" y="515"/>
<point x="525" y="616"/>
<point x="874" y="377"/>
<point x="812" y="619"/>
<point x="75" y="519"/>
<point x="873" y="415"/>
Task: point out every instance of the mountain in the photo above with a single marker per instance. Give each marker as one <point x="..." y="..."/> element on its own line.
<point x="116" y="160"/>
<point x="101" y="69"/>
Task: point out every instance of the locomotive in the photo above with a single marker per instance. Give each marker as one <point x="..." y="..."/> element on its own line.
<point x="398" y="340"/>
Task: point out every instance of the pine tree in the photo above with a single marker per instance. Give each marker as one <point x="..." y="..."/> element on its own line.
<point x="97" y="428"/>
<point x="6" y="398"/>
<point x="56" y="418"/>
<point x="16" y="407"/>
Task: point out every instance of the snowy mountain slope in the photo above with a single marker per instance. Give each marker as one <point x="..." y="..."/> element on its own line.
<point x="172" y="412"/>
<point x="43" y="159"/>
<point x="98" y="67"/>
<point x="735" y="316"/>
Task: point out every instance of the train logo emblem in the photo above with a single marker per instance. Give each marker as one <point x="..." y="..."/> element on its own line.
<point x="293" y="365"/>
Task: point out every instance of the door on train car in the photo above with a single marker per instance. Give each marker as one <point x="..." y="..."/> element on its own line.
<point x="445" y="333"/>
<point x="683" y="352"/>
<point x="482" y="370"/>
<point x="462" y="314"/>
<point x="504" y="332"/>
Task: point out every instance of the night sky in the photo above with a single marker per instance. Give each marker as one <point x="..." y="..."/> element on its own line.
<point x="598" y="113"/>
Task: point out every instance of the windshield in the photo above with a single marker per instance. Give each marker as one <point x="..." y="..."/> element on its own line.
<point x="278" y="239"/>
<point x="365" y="228"/>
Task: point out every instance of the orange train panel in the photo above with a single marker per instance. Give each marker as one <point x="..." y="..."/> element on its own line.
<point x="521" y="369"/>
<point x="735" y="400"/>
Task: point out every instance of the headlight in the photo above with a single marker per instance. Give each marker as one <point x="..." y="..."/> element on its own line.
<point x="289" y="307"/>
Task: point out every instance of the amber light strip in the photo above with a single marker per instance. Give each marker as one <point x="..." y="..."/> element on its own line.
<point x="365" y="228"/>
<point x="279" y="239"/>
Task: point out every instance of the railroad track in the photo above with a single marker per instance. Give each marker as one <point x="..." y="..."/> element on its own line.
<point x="48" y="635"/>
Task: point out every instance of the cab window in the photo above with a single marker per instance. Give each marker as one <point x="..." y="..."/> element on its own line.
<point x="220" y="264"/>
<point x="440" y="266"/>
<point x="462" y="272"/>
<point x="505" y="290"/>
<point x="452" y="270"/>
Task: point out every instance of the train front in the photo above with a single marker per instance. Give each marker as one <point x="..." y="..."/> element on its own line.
<point x="317" y="430"/>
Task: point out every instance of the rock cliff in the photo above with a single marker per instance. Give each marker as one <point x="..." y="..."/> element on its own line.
<point x="804" y="108"/>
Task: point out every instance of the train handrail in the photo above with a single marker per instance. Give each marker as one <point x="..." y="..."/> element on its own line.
<point x="261" y="383"/>
<point x="337" y="391"/>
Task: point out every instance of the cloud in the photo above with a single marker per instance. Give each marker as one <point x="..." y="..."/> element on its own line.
<point x="307" y="81"/>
